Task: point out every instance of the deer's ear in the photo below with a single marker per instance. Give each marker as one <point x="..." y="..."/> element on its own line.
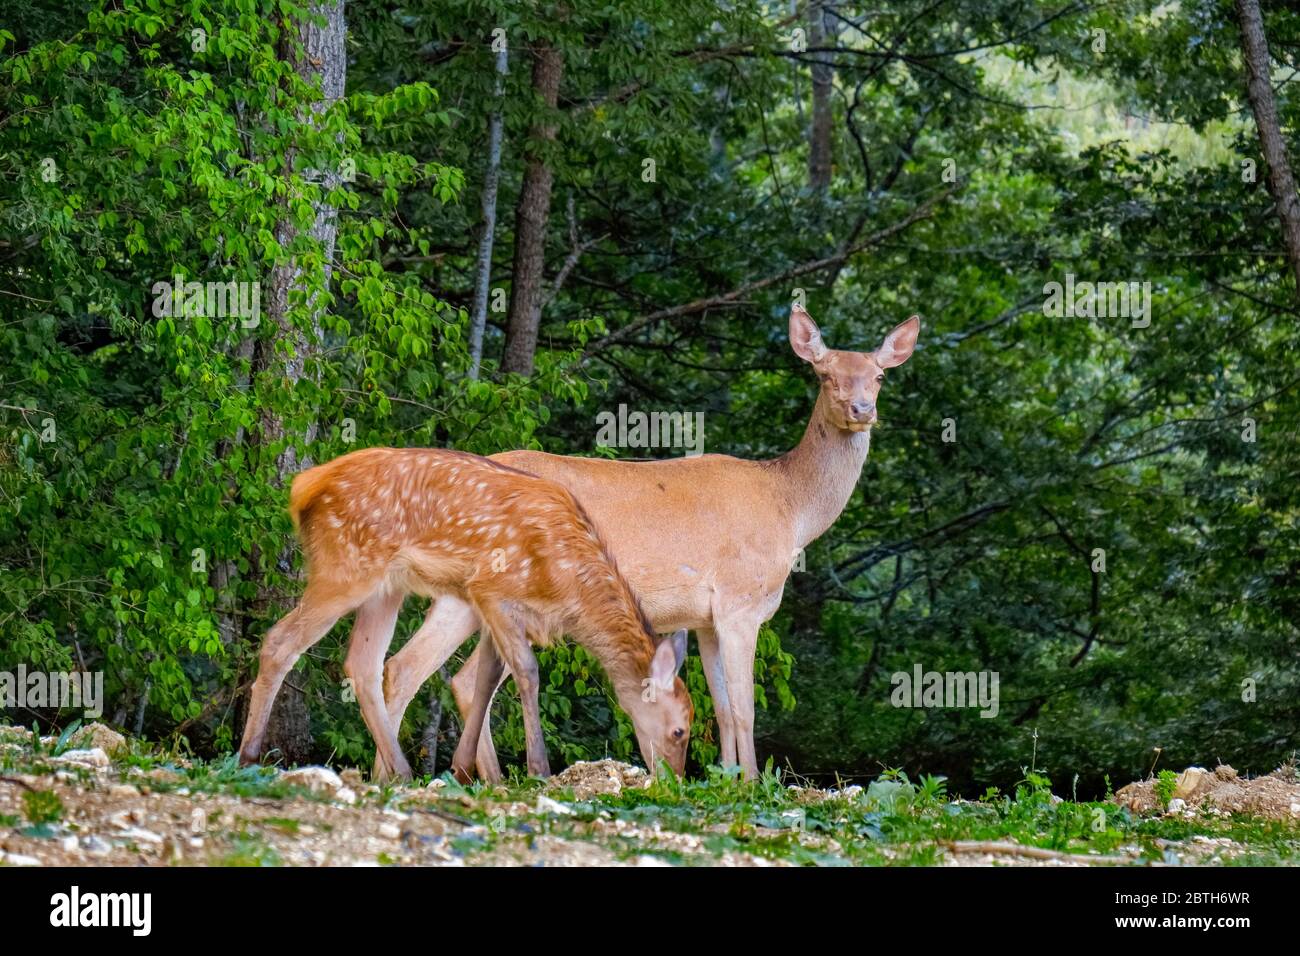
<point x="670" y="654"/>
<point x="805" y="337"/>
<point x="898" y="344"/>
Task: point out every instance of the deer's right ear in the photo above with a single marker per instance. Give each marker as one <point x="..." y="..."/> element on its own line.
<point x="805" y="337"/>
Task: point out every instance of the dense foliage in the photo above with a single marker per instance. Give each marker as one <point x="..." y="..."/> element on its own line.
<point x="142" y="457"/>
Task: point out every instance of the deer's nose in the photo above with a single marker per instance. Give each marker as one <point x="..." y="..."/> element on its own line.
<point x="862" y="411"/>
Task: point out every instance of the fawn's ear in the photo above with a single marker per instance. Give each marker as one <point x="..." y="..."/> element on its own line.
<point x="670" y="654"/>
<point x="805" y="337"/>
<point x="898" y="344"/>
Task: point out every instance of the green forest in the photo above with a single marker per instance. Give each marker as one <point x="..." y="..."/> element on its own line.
<point x="493" y="226"/>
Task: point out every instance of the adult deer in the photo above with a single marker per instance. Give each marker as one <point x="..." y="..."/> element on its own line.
<point x="382" y="523"/>
<point x="706" y="542"/>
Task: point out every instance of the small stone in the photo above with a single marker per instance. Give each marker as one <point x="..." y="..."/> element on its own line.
<point x="70" y="844"/>
<point x="351" y="778"/>
<point x="123" y="790"/>
<point x="98" y="736"/>
<point x="94" y="757"/>
<point x="96" y="846"/>
<point x="315" y="779"/>
<point x="1177" y="805"/>
<point x="1188" y="781"/>
<point x="140" y="835"/>
<point x="18" y="859"/>
<point x="346" y="795"/>
<point x="547" y="805"/>
<point x="390" y="831"/>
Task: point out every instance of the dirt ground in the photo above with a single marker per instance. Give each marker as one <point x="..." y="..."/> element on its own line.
<point x="1272" y="797"/>
<point x="89" y="802"/>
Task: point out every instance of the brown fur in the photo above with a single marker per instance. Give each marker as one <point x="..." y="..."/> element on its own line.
<point x="381" y="523"/>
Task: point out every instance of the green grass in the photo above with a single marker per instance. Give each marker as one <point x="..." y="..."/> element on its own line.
<point x="893" y="821"/>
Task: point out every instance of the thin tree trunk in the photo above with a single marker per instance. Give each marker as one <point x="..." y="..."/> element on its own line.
<point x="433" y="729"/>
<point x="1259" y="89"/>
<point x="483" y="279"/>
<point x="819" y="134"/>
<point x="323" y="58"/>
<point x="531" y="214"/>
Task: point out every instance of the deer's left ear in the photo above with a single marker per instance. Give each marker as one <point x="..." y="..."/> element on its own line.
<point x="898" y="344"/>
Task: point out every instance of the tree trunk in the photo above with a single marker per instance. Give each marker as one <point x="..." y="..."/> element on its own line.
<point x="324" y="57"/>
<point x="483" y="279"/>
<point x="1259" y="90"/>
<point x="819" y="135"/>
<point x="531" y="214"/>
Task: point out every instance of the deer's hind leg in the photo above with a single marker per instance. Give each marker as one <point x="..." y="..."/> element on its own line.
<point x="372" y="632"/>
<point x="462" y="687"/>
<point x="486" y="677"/>
<point x="512" y="645"/>
<point x="321" y="606"/>
<point x="447" y="625"/>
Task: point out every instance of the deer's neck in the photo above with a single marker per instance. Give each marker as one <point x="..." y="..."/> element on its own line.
<point x="821" y="472"/>
<point x="611" y="627"/>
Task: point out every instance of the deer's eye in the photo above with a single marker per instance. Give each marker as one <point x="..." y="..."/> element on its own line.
<point x="879" y="379"/>
<point x="678" y="734"/>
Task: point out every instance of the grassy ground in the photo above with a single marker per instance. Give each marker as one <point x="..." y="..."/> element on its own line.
<point x="78" y="807"/>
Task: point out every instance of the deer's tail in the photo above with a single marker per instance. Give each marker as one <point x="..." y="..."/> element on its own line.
<point x="306" y="489"/>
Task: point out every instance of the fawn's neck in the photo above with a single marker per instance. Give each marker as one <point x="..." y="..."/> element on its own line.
<point x="611" y="628"/>
<point x="821" y="472"/>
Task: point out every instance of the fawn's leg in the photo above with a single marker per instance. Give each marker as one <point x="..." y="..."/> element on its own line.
<point x="372" y="632"/>
<point x="284" y="643"/>
<point x="713" y="673"/>
<point x="487" y="675"/>
<point x="462" y="687"/>
<point x="513" y="646"/>
<point x="447" y="625"/>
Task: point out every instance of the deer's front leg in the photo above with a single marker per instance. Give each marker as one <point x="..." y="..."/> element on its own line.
<point x="512" y="644"/>
<point x="447" y="625"/>
<point x="462" y="688"/>
<point x="489" y="672"/>
<point x="737" y="640"/>
<point x="713" y="673"/>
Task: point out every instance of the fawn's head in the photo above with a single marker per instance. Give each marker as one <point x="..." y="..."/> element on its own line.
<point x="662" y="712"/>
<point x="850" y="380"/>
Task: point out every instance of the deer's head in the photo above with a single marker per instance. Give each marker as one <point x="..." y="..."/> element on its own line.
<point x="662" y="714"/>
<point x="850" y="380"/>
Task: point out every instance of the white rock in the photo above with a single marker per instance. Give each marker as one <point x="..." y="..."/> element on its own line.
<point x="70" y="844"/>
<point x="547" y="805"/>
<point x="390" y="831"/>
<point x="346" y="795"/>
<point x="140" y="835"/>
<point x="17" y="859"/>
<point x="1188" y="781"/>
<point x="316" y="779"/>
<point x="94" y="757"/>
<point x="98" y="736"/>
<point x="1177" y="805"/>
<point x="96" y="846"/>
